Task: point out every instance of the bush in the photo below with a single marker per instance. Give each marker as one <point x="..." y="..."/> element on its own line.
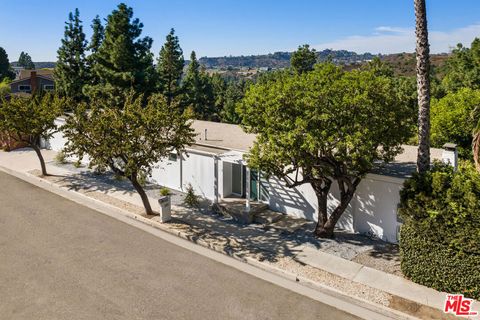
<point x="61" y="158"/>
<point x="164" y="191"/>
<point x="191" y="199"/>
<point x="439" y="241"/>
<point x="452" y="120"/>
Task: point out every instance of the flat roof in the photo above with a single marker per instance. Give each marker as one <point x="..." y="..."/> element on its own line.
<point x="224" y="136"/>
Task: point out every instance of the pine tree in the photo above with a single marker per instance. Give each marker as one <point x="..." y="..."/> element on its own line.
<point x="170" y="67"/>
<point x="123" y="60"/>
<point x="71" y="71"/>
<point x="25" y="61"/>
<point x="5" y="69"/>
<point x="198" y="91"/>
<point x="97" y="36"/>
<point x="95" y="43"/>
<point x="303" y="59"/>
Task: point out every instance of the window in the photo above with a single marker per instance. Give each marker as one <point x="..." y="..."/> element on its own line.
<point x="48" y="87"/>
<point x="172" y="157"/>
<point x="24" y="88"/>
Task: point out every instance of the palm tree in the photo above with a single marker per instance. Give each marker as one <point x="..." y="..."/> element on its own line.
<point x="423" y="86"/>
<point x="476" y="138"/>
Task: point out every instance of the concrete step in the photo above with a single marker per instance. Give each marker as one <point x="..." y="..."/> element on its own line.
<point x="237" y="210"/>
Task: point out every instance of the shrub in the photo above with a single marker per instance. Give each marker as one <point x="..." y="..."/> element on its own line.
<point x="61" y="158"/>
<point x="439" y="241"/>
<point x="164" y="191"/>
<point x="77" y="164"/>
<point x="191" y="199"/>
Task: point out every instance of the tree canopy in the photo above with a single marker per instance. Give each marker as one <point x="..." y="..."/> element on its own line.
<point x="128" y="140"/>
<point x="198" y="91"/>
<point x="5" y="68"/>
<point x="27" y="120"/>
<point x="25" y="61"/>
<point x="324" y="126"/>
<point x="170" y="67"/>
<point x="463" y="68"/>
<point x="452" y="120"/>
<point x="71" y="70"/>
<point x="303" y="59"/>
<point x="123" y="60"/>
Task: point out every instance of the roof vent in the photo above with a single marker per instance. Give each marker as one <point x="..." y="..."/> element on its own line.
<point x="206" y="134"/>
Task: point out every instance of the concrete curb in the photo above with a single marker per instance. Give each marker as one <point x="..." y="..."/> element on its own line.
<point x="343" y="268"/>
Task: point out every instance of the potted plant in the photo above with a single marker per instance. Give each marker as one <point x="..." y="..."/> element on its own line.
<point x="165" y="205"/>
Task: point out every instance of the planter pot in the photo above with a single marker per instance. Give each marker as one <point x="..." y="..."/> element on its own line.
<point x="165" y="208"/>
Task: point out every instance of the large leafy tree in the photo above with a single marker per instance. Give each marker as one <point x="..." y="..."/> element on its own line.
<point x="198" y="90"/>
<point x="423" y="86"/>
<point x="303" y="59"/>
<point x="71" y="70"/>
<point x="27" y="120"/>
<point x="128" y="140"/>
<point x="123" y="60"/>
<point x="25" y="61"/>
<point x="463" y="68"/>
<point x="322" y="127"/>
<point x="170" y="67"/>
<point x="452" y="119"/>
<point x="5" y="68"/>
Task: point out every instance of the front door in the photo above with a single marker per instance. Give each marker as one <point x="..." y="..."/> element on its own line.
<point x="237" y="178"/>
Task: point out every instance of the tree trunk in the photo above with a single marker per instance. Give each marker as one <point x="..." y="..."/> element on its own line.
<point x="322" y="200"/>
<point x="423" y="86"/>
<point x="141" y="192"/>
<point x="476" y="149"/>
<point x="326" y="229"/>
<point x="40" y="157"/>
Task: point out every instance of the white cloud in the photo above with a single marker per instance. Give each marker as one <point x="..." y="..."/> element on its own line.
<point x="387" y="39"/>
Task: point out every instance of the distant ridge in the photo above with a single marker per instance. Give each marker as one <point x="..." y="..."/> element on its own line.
<point x="282" y="59"/>
<point x="38" y="65"/>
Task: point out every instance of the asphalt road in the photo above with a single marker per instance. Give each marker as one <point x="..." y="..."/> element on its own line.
<point x="60" y="260"/>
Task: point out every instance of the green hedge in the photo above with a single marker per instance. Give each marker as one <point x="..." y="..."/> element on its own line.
<point x="440" y="238"/>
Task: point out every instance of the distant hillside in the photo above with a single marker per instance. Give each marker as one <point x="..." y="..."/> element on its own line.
<point x="404" y="63"/>
<point x="281" y="59"/>
<point x="38" y="65"/>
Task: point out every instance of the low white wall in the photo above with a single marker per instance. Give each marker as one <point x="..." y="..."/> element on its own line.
<point x="199" y="171"/>
<point x="57" y="141"/>
<point x="167" y="173"/>
<point x="373" y="210"/>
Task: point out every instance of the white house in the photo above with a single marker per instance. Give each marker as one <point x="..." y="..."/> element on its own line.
<point x="214" y="167"/>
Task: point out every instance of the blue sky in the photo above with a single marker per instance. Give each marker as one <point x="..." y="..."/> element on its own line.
<point x="228" y="27"/>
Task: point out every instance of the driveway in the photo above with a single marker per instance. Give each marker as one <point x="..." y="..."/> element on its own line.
<point x="60" y="260"/>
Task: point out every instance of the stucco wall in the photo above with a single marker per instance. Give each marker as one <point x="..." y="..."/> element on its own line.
<point x="373" y="210"/>
<point x="198" y="170"/>
<point x="167" y="173"/>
